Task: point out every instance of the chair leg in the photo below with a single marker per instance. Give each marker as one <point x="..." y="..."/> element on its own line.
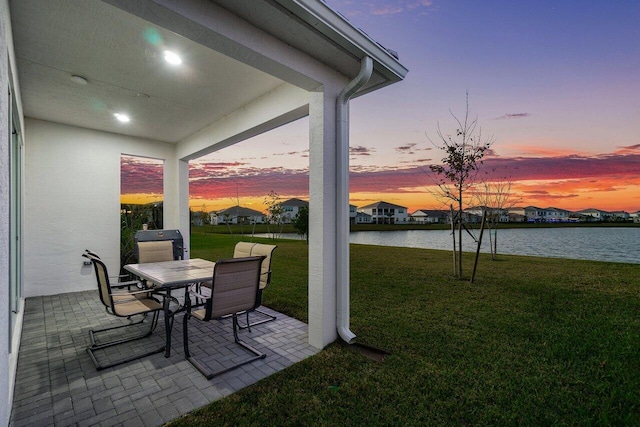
<point x="248" y="325"/>
<point x="258" y="355"/>
<point x="206" y="372"/>
<point x="92" y="333"/>
<point x="95" y="347"/>
<point x="185" y="336"/>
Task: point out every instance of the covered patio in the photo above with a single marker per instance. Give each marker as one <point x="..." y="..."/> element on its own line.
<point x="57" y="384"/>
<point x="72" y="69"/>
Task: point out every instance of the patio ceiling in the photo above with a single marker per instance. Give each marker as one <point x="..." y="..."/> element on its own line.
<point x="120" y="54"/>
<point x="121" y="57"/>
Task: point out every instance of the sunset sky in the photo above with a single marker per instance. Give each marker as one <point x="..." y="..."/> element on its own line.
<point x="555" y="83"/>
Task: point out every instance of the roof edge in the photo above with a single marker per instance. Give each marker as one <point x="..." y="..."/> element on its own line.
<point x="336" y="27"/>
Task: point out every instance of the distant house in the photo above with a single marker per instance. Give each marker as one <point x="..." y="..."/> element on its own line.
<point x="515" y="217"/>
<point x="362" y="218"/>
<point x="530" y="213"/>
<point x="595" y="214"/>
<point x="429" y="216"/>
<point x="635" y="216"/>
<point x="237" y="215"/>
<point x="501" y="214"/>
<point x="557" y="215"/>
<point x="536" y="214"/>
<point x="620" y="216"/>
<point x="386" y="213"/>
<point x="291" y="208"/>
<point x="353" y="214"/>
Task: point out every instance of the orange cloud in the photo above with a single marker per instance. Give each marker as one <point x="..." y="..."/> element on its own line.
<point x="543" y="151"/>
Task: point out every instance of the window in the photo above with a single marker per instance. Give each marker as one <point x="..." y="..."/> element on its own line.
<point x="141" y="195"/>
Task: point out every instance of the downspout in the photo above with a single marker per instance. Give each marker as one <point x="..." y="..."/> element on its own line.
<point x="342" y="198"/>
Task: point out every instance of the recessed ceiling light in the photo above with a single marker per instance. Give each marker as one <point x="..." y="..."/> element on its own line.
<point x="172" y="58"/>
<point x="79" y="79"/>
<point x="122" y="117"/>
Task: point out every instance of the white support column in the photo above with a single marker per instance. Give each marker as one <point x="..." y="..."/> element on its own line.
<point x="184" y="220"/>
<point x="322" y="217"/>
<point x="176" y="199"/>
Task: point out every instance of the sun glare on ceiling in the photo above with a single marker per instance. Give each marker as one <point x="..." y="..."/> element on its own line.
<point x="122" y="117"/>
<point x="172" y="58"/>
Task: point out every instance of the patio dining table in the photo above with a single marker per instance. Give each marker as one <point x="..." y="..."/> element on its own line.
<point x="169" y="275"/>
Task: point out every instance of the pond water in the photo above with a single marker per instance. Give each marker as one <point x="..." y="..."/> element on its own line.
<point x="617" y="244"/>
<point x="591" y="243"/>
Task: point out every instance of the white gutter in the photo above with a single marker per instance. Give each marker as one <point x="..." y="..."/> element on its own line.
<point x="335" y="27"/>
<point x="342" y="197"/>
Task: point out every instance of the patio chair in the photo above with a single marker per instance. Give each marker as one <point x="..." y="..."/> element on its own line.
<point x="156" y="251"/>
<point x="266" y="251"/>
<point x="121" y="303"/>
<point x="246" y="249"/>
<point x="121" y="278"/>
<point x="234" y="289"/>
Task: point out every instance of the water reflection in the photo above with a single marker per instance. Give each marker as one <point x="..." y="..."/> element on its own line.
<point x="591" y="243"/>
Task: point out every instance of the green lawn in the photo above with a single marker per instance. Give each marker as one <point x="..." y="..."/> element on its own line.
<point x="534" y="341"/>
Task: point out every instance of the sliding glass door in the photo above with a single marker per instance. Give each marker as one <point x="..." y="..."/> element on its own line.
<point x="15" y="219"/>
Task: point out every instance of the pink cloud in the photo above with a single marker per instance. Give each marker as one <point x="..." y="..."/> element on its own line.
<point x="387" y="10"/>
<point x="140" y="176"/>
<point x="631" y="149"/>
<point x="360" y="150"/>
<point x="511" y="116"/>
<point x="564" y="176"/>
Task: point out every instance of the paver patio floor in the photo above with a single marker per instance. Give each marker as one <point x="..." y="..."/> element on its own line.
<point x="57" y="384"/>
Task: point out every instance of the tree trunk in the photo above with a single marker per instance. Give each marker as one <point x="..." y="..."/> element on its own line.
<point x="491" y="235"/>
<point x="453" y="235"/>
<point x="495" y="243"/>
<point x="475" y="264"/>
<point x="460" y="236"/>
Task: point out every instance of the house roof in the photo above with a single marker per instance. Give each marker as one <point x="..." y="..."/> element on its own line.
<point x="117" y="46"/>
<point x="295" y="202"/>
<point x="430" y="212"/>
<point x="383" y="205"/>
<point x="240" y="211"/>
<point x="591" y="210"/>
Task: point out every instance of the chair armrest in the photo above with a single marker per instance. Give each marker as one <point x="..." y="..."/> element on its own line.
<point x="126" y="284"/>
<point x="197" y="295"/>
<point x="142" y="291"/>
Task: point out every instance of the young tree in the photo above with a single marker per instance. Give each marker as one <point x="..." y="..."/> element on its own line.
<point x="274" y="212"/>
<point x="458" y="168"/>
<point x="204" y="215"/>
<point x="301" y="222"/>
<point x="495" y="194"/>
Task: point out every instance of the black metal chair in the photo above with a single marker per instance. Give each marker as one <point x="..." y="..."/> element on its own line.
<point x="260" y="249"/>
<point x="121" y="302"/>
<point x="234" y="289"/>
<point x="246" y="249"/>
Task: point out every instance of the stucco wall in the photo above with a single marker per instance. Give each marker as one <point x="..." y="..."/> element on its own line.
<point x="5" y="393"/>
<point x="72" y="202"/>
